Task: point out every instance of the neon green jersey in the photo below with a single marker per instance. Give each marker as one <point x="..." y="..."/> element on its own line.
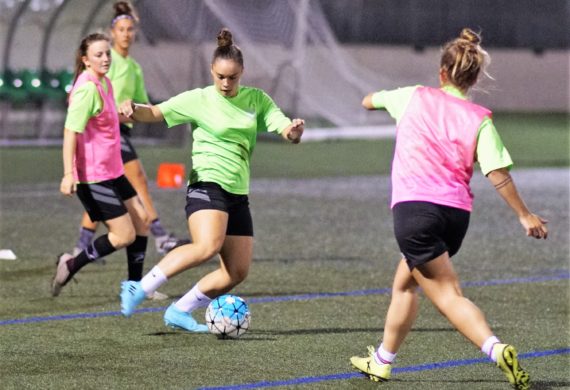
<point x="224" y="131"/>
<point x="127" y="78"/>
<point x="491" y="153"/>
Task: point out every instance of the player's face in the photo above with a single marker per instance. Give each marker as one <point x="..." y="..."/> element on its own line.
<point x="226" y="75"/>
<point x="98" y="58"/>
<point x="123" y="33"/>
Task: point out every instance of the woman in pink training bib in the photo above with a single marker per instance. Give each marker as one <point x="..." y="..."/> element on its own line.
<point x="440" y="135"/>
<point x="128" y="83"/>
<point x="92" y="167"/>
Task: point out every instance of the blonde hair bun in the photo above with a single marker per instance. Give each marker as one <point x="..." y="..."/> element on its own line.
<point x="470" y="36"/>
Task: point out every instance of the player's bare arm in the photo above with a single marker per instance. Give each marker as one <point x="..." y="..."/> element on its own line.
<point x="140" y="112"/>
<point x="67" y="186"/>
<point x="534" y="225"/>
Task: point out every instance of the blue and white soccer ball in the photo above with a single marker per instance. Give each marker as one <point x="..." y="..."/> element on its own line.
<point x="228" y="316"/>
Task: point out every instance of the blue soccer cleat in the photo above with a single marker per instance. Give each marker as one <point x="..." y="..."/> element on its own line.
<point x="178" y="319"/>
<point x="132" y="295"/>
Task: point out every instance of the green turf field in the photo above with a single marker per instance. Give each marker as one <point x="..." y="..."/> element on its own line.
<point x="322" y="226"/>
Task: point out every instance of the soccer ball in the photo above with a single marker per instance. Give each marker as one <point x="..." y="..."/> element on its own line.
<point x="228" y="316"/>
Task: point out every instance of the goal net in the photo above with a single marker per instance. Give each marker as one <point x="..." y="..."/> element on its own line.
<point x="289" y="51"/>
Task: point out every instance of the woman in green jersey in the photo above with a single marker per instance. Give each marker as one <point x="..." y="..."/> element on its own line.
<point x="128" y="83"/>
<point x="225" y="118"/>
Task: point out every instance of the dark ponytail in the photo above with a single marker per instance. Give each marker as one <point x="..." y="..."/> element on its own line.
<point x="82" y="51"/>
<point x="226" y="49"/>
<point x="123" y="10"/>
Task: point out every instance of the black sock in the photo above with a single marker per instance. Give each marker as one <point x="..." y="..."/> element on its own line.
<point x="99" y="248"/>
<point x="135" y="258"/>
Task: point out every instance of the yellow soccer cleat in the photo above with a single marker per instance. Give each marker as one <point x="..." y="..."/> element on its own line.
<point x="508" y="362"/>
<point x="376" y="372"/>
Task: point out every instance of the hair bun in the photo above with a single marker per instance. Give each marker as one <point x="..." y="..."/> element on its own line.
<point x="122" y="8"/>
<point x="225" y="38"/>
<point x="470" y="35"/>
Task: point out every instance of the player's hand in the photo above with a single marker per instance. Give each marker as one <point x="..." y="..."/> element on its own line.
<point x="68" y="185"/>
<point x="296" y="131"/>
<point x="126" y="108"/>
<point x="534" y="225"/>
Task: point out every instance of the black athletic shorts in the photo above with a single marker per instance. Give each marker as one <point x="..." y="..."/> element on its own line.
<point x="426" y="230"/>
<point x="105" y="200"/>
<point x="128" y="152"/>
<point x="211" y="196"/>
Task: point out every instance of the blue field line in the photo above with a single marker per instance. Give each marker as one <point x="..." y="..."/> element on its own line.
<point x="563" y="275"/>
<point x="396" y="370"/>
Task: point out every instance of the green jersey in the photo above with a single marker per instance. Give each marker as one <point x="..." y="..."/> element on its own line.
<point x="491" y="153"/>
<point x="224" y="131"/>
<point x="127" y="78"/>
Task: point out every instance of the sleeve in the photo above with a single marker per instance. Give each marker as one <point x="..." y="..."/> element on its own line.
<point x="85" y="103"/>
<point x="140" y="95"/>
<point x="394" y="101"/>
<point x="182" y="108"/>
<point x="491" y="153"/>
<point x="272" y="118"/>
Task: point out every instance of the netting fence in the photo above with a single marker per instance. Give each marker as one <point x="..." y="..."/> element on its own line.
<point x="289" y="49"/>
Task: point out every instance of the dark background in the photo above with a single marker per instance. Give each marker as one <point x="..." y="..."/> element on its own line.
<point x="532" y="24"/>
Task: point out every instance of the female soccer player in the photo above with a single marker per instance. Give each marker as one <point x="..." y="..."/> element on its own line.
<point x="226" y="118"/>
<point x="440" y="135"/>
<point x="93" y="167"/>
<point x="128" y="83"/>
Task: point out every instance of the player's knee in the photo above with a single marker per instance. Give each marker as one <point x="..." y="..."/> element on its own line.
<point x="238" y="275"/>
<point x="125" y="237"/>
<point x="208" y="249"/>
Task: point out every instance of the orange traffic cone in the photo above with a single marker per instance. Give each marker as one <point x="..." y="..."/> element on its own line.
<point x="170" y="175"/>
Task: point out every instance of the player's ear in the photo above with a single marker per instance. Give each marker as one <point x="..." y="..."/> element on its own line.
<point x="442" y="76"/>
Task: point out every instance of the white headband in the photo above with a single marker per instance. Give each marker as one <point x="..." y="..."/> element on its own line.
<point x="123" y="16"/>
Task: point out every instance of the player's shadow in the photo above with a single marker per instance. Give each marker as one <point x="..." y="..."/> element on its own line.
<point x="263" y="334"/>
<point x="311" y="259"/>
<point x="549" y="385"/>
<point x="316" y="331"/>
<point x="172" y="333"/>
<point x="535" y="385"/>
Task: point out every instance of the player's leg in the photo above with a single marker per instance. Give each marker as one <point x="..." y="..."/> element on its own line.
<point x="208" y="231"/>
<point x="136" y="251"/>
<point x="440" y="284"/>
<point x="403" y="309"/>
<point x="235" y="260"/>
<point x="134" y="171"/>
<point x="401" y="315"/>
<point x="121" y="233"/>
<point x="86" y="234"/>
<point x="103" y="203"/>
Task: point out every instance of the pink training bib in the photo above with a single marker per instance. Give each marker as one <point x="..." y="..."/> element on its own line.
<point x="435" y="149"/>
<point x="98" y="153"/>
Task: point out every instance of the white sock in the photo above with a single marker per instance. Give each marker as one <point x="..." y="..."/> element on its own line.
<point x="192" y="300"/>
<point x="488" y="345"/>
<point x="153" y="280"/>
<point x="384" y="357"/>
